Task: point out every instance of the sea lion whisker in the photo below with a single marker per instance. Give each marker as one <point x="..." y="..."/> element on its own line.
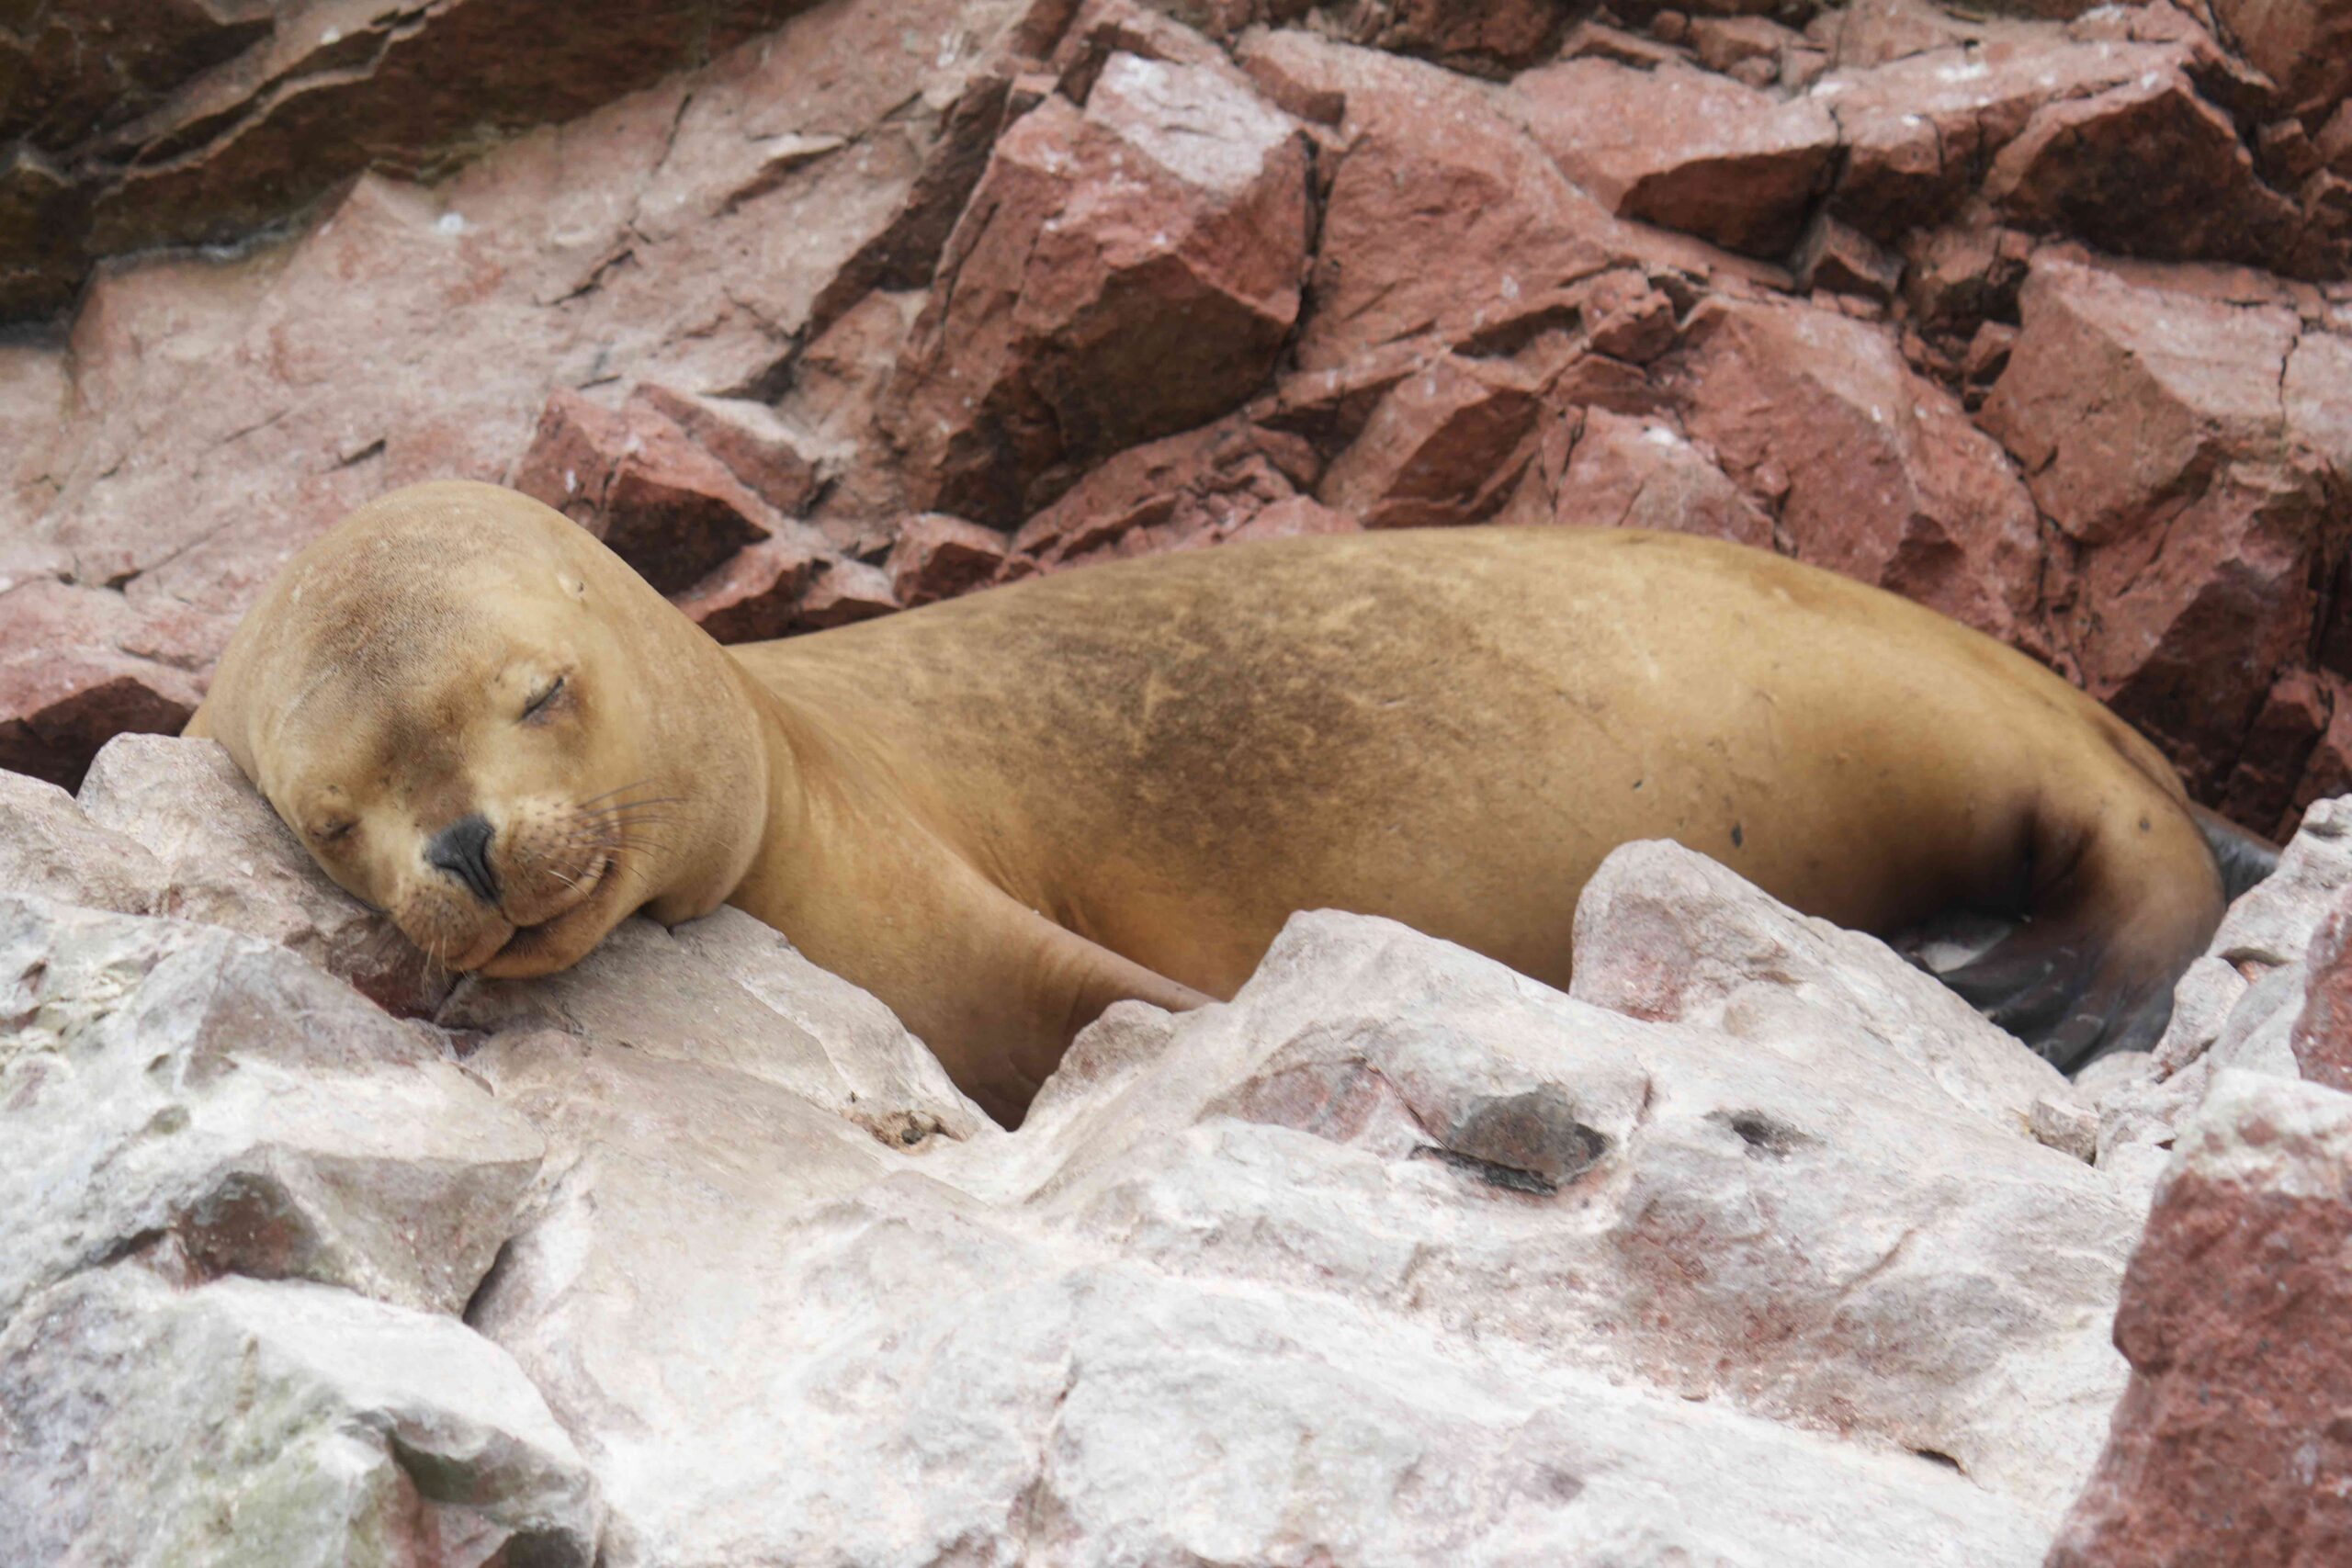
<point x="624" y="789"/>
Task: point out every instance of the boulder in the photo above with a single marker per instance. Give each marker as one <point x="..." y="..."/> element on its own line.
<point x="226" y="860"/>
<point x="51" y="848"/>
<point x="636" y="480"/>
<point x="937" y="557"/>
<point x="76" y="671"/>
<point x="2305" y="47"/>
<point x="1665" y="933"/>
<point x="1684" y="149"/>
<point x="759" y="594"/>
<point x="1867" y="469"/>
<point x="1597" y="468"/>
<point x="166" y="1083"/>
<point x="1445" y="445"/>
<point x="726" y="991"/>
<point x="1123" y="271"/>
<point x="293" y="1425"/>
<point x="2229" y="1447"/>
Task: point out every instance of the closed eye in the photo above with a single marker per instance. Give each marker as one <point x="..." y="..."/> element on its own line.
<point x="334" y="833"/>
<point x="540" y="702"/>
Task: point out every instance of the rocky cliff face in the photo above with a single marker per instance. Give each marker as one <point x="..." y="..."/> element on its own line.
<point x="817" y="311"/>
<point x="1758" y="1248"/>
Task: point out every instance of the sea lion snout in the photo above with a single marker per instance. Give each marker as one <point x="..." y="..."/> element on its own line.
<point x="462" y="849"/>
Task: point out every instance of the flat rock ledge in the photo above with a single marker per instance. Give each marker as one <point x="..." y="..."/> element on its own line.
<point x="1756" y="1248"/>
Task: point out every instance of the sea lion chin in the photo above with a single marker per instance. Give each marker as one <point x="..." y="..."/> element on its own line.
<point x="1002" y="812"/>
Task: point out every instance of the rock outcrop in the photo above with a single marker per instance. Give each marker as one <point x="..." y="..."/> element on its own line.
<point x="691" y="1253"/>
<point x="818" y="313"/>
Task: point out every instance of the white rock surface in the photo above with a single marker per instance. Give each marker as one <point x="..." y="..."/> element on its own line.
<point x="227" y="860"/>
<point x="243" y="1424"/>
<point x="1664" y="932"/>
<point x="164" y="1078"/>
<point x="726" y="991"/>
<point x="51" y="848"/>
<point x="1397" y="1227"/>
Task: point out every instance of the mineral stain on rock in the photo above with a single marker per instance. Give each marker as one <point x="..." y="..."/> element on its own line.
<point x="1525" y="1143"/>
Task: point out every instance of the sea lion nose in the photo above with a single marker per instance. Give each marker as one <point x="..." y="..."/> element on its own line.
<point x="462" y="849"/>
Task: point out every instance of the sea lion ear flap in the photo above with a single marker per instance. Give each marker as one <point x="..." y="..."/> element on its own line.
<point x="573" y="584"/>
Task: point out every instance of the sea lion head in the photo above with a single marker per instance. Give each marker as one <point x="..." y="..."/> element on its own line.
<point x="480" y="720"/>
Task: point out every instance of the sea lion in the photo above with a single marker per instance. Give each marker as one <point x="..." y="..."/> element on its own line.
<point x="1002" y="812"/>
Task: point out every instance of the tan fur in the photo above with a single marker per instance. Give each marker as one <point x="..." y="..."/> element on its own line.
<point x="1002" y="812"/>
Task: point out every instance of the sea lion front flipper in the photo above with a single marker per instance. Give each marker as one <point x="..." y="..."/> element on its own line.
<point x="2246" y="857"/>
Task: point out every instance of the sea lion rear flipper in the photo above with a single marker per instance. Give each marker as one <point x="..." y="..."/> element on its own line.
<point x="2122" y="907"/>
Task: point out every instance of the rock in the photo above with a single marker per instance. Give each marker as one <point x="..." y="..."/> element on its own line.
<point x="1490" y="38"/>
<point x="1842" y="260"/>
<point x="759" y="594"/>
<point x="2146" y="409"/>
<point x="2102" y="168"/>
<point x="1199" y="488"/>
<point x="2277" y="749"/>
<point x="638" y="482"/>
<point x="1445" y="446"/>
<point x="72" y="675"/>
<point x="1684" y="149"/>
<point x="170" y="1082"/>
<point x="757" y="447"/>
<point x="286" y="1423"/>
<point x="1124" y="272"/>
<point x="953" y="1346"/>
<point x="2305" y="49"/>
<point x="2271" y="926"/>
<point x="938" y="557"/>
<point x="50" y="849"/>
<point x="1880" y="475"/>
<point x="1665" y="933"/>
<point x="726" y="991"/>
<point x="2321" y="1032"/>
<point x="1922" y="118"/>
<point x="846" y="590"/>
<point x="2227" y="1447"/>
<point x="1443" y="217"/>
<point x="1602" y="470"/>
<point x="226" y="860"/>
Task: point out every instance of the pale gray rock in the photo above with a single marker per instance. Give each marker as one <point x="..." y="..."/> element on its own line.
<point x="51" y="848"/>
<point x="1399" y="1256"/>
<point x="292" y="1426"/>
<point x="1663" y="932"/>
<point x="726" y="991"/>
<point x="227" y="860"/>
<point x="164" y="1079"/>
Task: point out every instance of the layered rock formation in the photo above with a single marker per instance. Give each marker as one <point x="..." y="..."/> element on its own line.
<point x="691" y="1255"/>
<point x="2039" y="319"/>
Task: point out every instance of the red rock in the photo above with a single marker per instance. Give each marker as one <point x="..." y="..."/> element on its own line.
<point x="2322" y="1040"/>
<point x="2277" y="751"/>
<point x="2120" y="398"/>
<point x="1600" y="469"/>
<point x="2304" y="46"/>
<point x="636" y="481"/>
<point x="1988" y="352"/>
<point x="1684" y="149"/>
<point x="1886" y="480"/>
<point x="1443" y="217"/>
<point x="2230" y="1445"/>
<point x="2108" y="168"/>
<point x="76" y="671"/>
<point x="1628" y="318"/>
<point x="1837" y="259"/>
<point x="2184" y="625"/>
<point x="1722" y="42"/>
<point x="1488" y="37"/>
<point x="1598" y="41"/>
<point x="938" y="557"/>
<point x="1445" y="446"/>
<point x="1291" y="519"/>
<point x="1919" y="127"/>
<point x="292" y="110"/>
<point x="771" y="457"/>
<point x="2333" y="141"/>
<point x="1122" y="273"/>
<point x="1187" y="489"/>
<point x="1956" y="279"/>
<point x="757" y="595"/>
<point x="846" y="591"/>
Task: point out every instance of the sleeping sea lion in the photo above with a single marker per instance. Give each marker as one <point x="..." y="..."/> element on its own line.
<point x="1003" y="812"/>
